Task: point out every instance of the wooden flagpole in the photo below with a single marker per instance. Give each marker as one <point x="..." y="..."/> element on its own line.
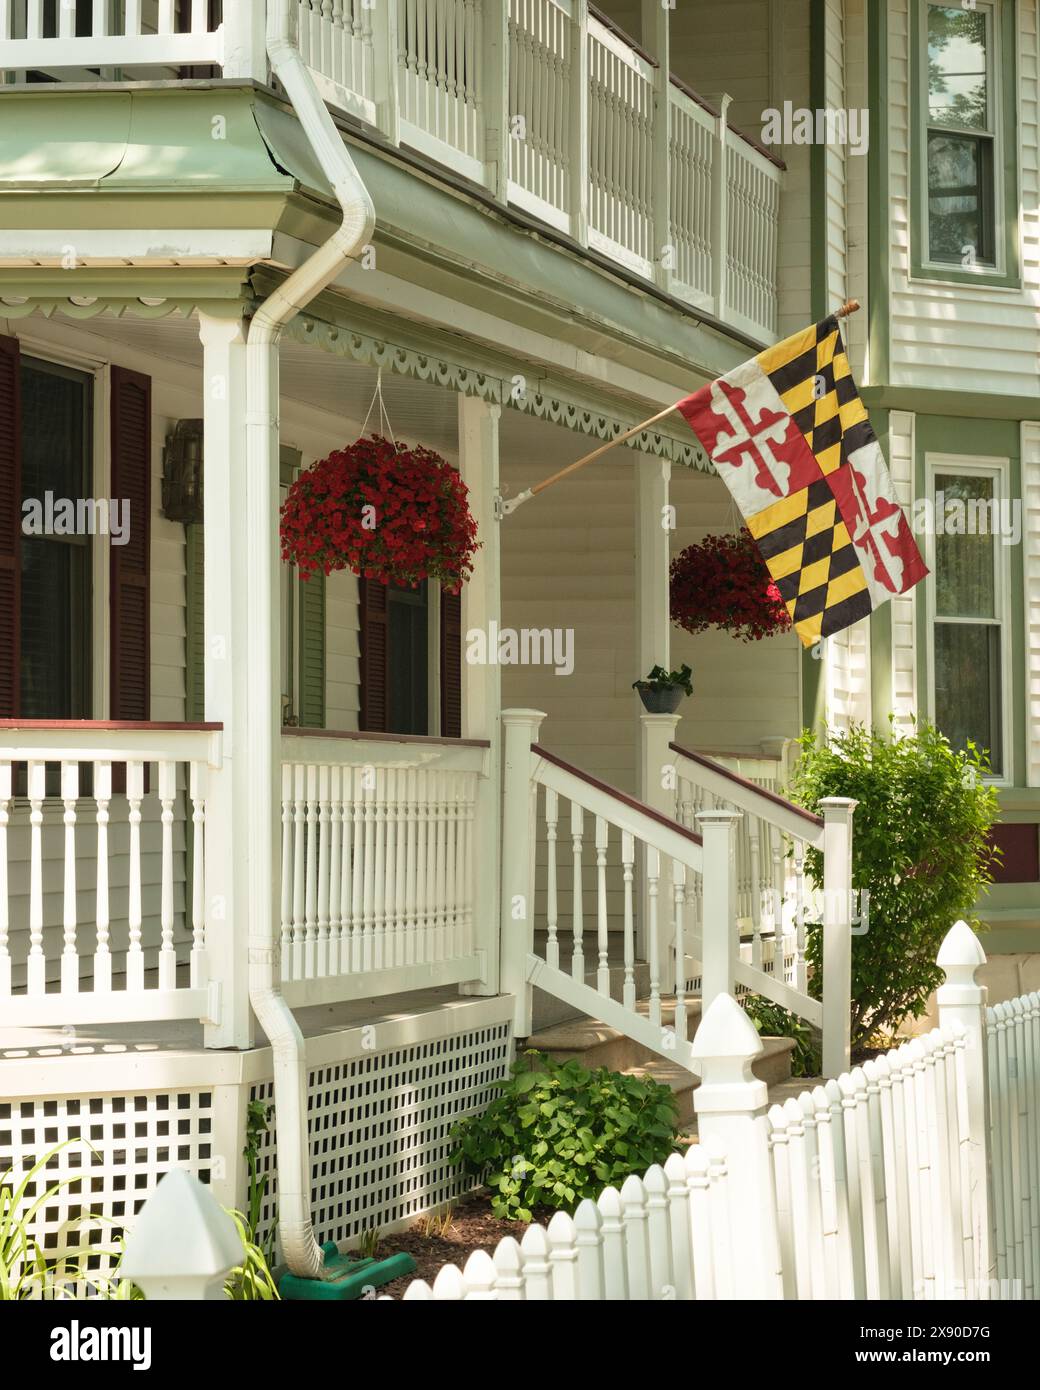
<point x="849" y="307"/>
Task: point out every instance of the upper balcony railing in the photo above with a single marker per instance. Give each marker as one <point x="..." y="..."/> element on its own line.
<point x="544" y="105"/>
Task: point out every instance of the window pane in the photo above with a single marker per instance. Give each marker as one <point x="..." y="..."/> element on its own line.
<point x="55" y="608"/>
<point x="959" y="199"/>
<point x="965" y="583"/>
<point x="967" y="687"/>
<point x="957" y="83"/>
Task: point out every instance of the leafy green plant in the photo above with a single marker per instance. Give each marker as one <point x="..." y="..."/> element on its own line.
<point x="774" y="1021"/>
<point x="660" y="679"/>
<point x="252" y="1280"/>
<point x="558" y="1133"/>
<point x="258" y="1118"/>
<point x="920" y="849"/>
<point x="25" y="1271"/>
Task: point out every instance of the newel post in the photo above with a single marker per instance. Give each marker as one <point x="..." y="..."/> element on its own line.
<point x="719" y="945"/>
<point x="731" y="1105"/>
<point x="658" y="789"/>
<point x="837" y="933"/>
<point x="962" y="1000"/>
<point x="516" y="916"/>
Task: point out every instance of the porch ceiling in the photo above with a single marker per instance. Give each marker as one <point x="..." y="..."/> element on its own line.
<point x="419" y="411"/>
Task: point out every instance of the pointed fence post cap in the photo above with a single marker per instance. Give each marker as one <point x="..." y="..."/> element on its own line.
<point x="183" y="1242"/>
<point x="959" y="958"/>
<point x="724" y="1046"/>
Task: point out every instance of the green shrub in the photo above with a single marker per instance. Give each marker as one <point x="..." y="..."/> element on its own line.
<point x="558" y="1133"/>
<point x="774" y="1021"/>
<point x="920" y="849"/>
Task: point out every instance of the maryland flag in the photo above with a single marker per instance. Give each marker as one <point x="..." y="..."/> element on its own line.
<point x="789" y="436"/>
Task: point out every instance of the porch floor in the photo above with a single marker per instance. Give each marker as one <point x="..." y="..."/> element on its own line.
<point x="186" y="1035"/>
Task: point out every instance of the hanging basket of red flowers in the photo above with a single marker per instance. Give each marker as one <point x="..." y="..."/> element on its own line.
<point x="723" y="582"/>
<point x="384" y="511"/>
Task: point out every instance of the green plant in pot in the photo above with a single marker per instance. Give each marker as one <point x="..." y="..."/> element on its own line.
<point x="661" y="691"/>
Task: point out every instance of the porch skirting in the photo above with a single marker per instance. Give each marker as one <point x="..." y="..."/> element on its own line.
<point x="384" y="1093"/>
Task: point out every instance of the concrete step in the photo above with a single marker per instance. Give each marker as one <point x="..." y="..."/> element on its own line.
<point x="547" y="1011"/>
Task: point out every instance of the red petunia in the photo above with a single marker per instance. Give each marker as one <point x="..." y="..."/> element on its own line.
<point x="723" y="582"/>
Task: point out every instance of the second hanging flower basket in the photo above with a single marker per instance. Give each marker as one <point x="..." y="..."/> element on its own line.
<point x="386" y="512"/>
<point x="723" y="582"/>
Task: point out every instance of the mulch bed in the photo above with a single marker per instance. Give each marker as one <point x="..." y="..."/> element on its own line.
<point x="473" y="1227"/>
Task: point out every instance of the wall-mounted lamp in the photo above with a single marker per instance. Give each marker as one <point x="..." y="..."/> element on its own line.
<point x="182" y="472"/>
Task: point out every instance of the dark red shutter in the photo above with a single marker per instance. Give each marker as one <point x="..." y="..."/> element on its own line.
<point x="131" y="479"/>
<point x="10" y="525"/>
<point x="373" y="612"/>
<point x="451" y="665"/>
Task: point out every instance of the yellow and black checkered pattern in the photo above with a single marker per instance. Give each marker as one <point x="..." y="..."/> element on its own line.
<point x="810" y="373"/>
<point x="813" y="562"/>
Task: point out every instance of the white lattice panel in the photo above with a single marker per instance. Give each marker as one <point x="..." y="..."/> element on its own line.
<point x="118" y="1147"/>
<point x="380" y="1127"/>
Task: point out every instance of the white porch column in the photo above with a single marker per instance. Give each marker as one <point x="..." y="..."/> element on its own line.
<point x="245" y="42"/>
<point x="653" y="648"/>
<point x="226" y="590"/>
<point x="482" y="685"/>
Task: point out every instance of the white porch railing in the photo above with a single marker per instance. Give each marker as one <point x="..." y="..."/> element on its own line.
<point x="773" y="900"/>
<point x="618" y="846"/>
<point x="378" y="875"/>
<point x="545" y="105"/>
<point x="102" y="908"/>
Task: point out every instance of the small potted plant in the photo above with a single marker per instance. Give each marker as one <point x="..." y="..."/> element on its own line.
<point x="661" y="690"/>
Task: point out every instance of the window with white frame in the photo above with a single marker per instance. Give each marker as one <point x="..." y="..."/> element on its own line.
<point x="962" y="135"/>
<point x="968" y="601"/>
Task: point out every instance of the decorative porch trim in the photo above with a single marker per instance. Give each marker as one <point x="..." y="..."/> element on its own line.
<point x="493" y="378"/>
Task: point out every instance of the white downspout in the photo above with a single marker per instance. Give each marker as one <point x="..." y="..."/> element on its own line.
<point x="263" y="734"/>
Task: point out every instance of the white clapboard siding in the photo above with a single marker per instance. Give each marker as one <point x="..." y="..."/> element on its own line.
<point x="847" y="656"/>
<point x="342" y="652"/>
<point x="724" y="46"/>
<point x="855" y="56"/>
<point x="950" y="336"/>
<point x="743" y="692"/>
<point x="835" y="156"/>
<point x="1031" y="563"/>
<point x="795" y="266"/>
<point x="901" y="464"/>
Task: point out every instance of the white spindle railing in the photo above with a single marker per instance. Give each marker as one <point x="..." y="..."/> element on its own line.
<point x="548" y="107"/>
<point x="134" y="35"/>
<point x="753" y="209"/>
<point x="621" y="102"/>
<point x="542" y="37"/>
<point x="378" y="872"/>
<point x="773" y="903"/>
<point x="440" y="47"/>
<point x="88" y="814"/>
<point x="594" y="839"/>
<point x="336" y="42"/>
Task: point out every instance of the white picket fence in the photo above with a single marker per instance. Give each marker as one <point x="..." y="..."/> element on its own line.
<point x="874" y="1186"/>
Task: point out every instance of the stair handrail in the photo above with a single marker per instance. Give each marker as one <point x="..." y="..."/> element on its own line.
<point x="750" y="798"/>
<point x="628" y="812"/>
